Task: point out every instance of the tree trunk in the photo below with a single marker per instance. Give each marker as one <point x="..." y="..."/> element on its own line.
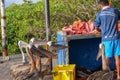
<point x="3" y="28"/>
<point x="47" y="20"/>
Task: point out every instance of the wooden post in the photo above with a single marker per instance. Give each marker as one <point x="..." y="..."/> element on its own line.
<point x="47" y="18"/>
<point x="3" y="28"/>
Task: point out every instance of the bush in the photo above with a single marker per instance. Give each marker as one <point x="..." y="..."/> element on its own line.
<point x="28" y="20"/>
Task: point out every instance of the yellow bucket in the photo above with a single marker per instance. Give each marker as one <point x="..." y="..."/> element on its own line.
<point x="64" y="72"/>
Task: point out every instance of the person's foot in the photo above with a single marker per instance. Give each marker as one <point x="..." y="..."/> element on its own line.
<point x="118" y="78"/>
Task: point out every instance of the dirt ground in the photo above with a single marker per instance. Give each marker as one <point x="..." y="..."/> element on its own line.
<point x="5" y="66"/>
<point x="17" y="59"/>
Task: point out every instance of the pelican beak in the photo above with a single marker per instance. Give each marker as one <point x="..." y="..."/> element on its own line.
<point x="32" y="40"/>
<point x="49" y="43"/>
<point x="99" y="52"/>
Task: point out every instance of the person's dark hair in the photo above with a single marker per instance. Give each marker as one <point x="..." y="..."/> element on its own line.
<point x="103" y="2"/>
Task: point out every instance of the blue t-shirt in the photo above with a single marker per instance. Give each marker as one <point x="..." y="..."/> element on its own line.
<point x="107" y="20"/>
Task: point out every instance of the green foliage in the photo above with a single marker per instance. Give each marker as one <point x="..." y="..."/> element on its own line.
<point x="28" y="20"/>
<point x="116" y="4"/>
<point x="27" y="1"/>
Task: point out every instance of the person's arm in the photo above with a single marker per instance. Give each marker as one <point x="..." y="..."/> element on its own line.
<point x="97" y="22"/>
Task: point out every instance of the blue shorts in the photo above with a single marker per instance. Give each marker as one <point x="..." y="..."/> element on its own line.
<point x="112" y="48"/>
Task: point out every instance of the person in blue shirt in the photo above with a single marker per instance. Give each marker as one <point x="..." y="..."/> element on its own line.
<point x="107" y="21"/>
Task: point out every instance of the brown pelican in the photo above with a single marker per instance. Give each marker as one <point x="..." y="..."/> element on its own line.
<point x="102" y="53"/>
<point x="43" y="52"/>
<point x="40" y="52"/>
<point x="22" y="45"/>
<point x="33" y="67"/>
<point x="105" y="74"/>
<point x="53" y="46"/>
<point x="25" y="45"/>
<point x="37" y="42"/>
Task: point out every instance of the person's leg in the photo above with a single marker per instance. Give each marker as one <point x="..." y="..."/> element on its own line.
<point x="108" y="50"/>
<point x="117" y="61"/>
<point x="117" y="56"/>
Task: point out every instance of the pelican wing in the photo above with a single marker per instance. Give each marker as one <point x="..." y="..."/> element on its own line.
<point x="35" y="51"/>
<point x="40" y="51"/>
<point x="45" y="52"/>
<point x="108" y="75"/>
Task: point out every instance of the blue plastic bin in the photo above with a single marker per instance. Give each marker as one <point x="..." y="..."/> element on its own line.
<point x="82" y="50"/>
